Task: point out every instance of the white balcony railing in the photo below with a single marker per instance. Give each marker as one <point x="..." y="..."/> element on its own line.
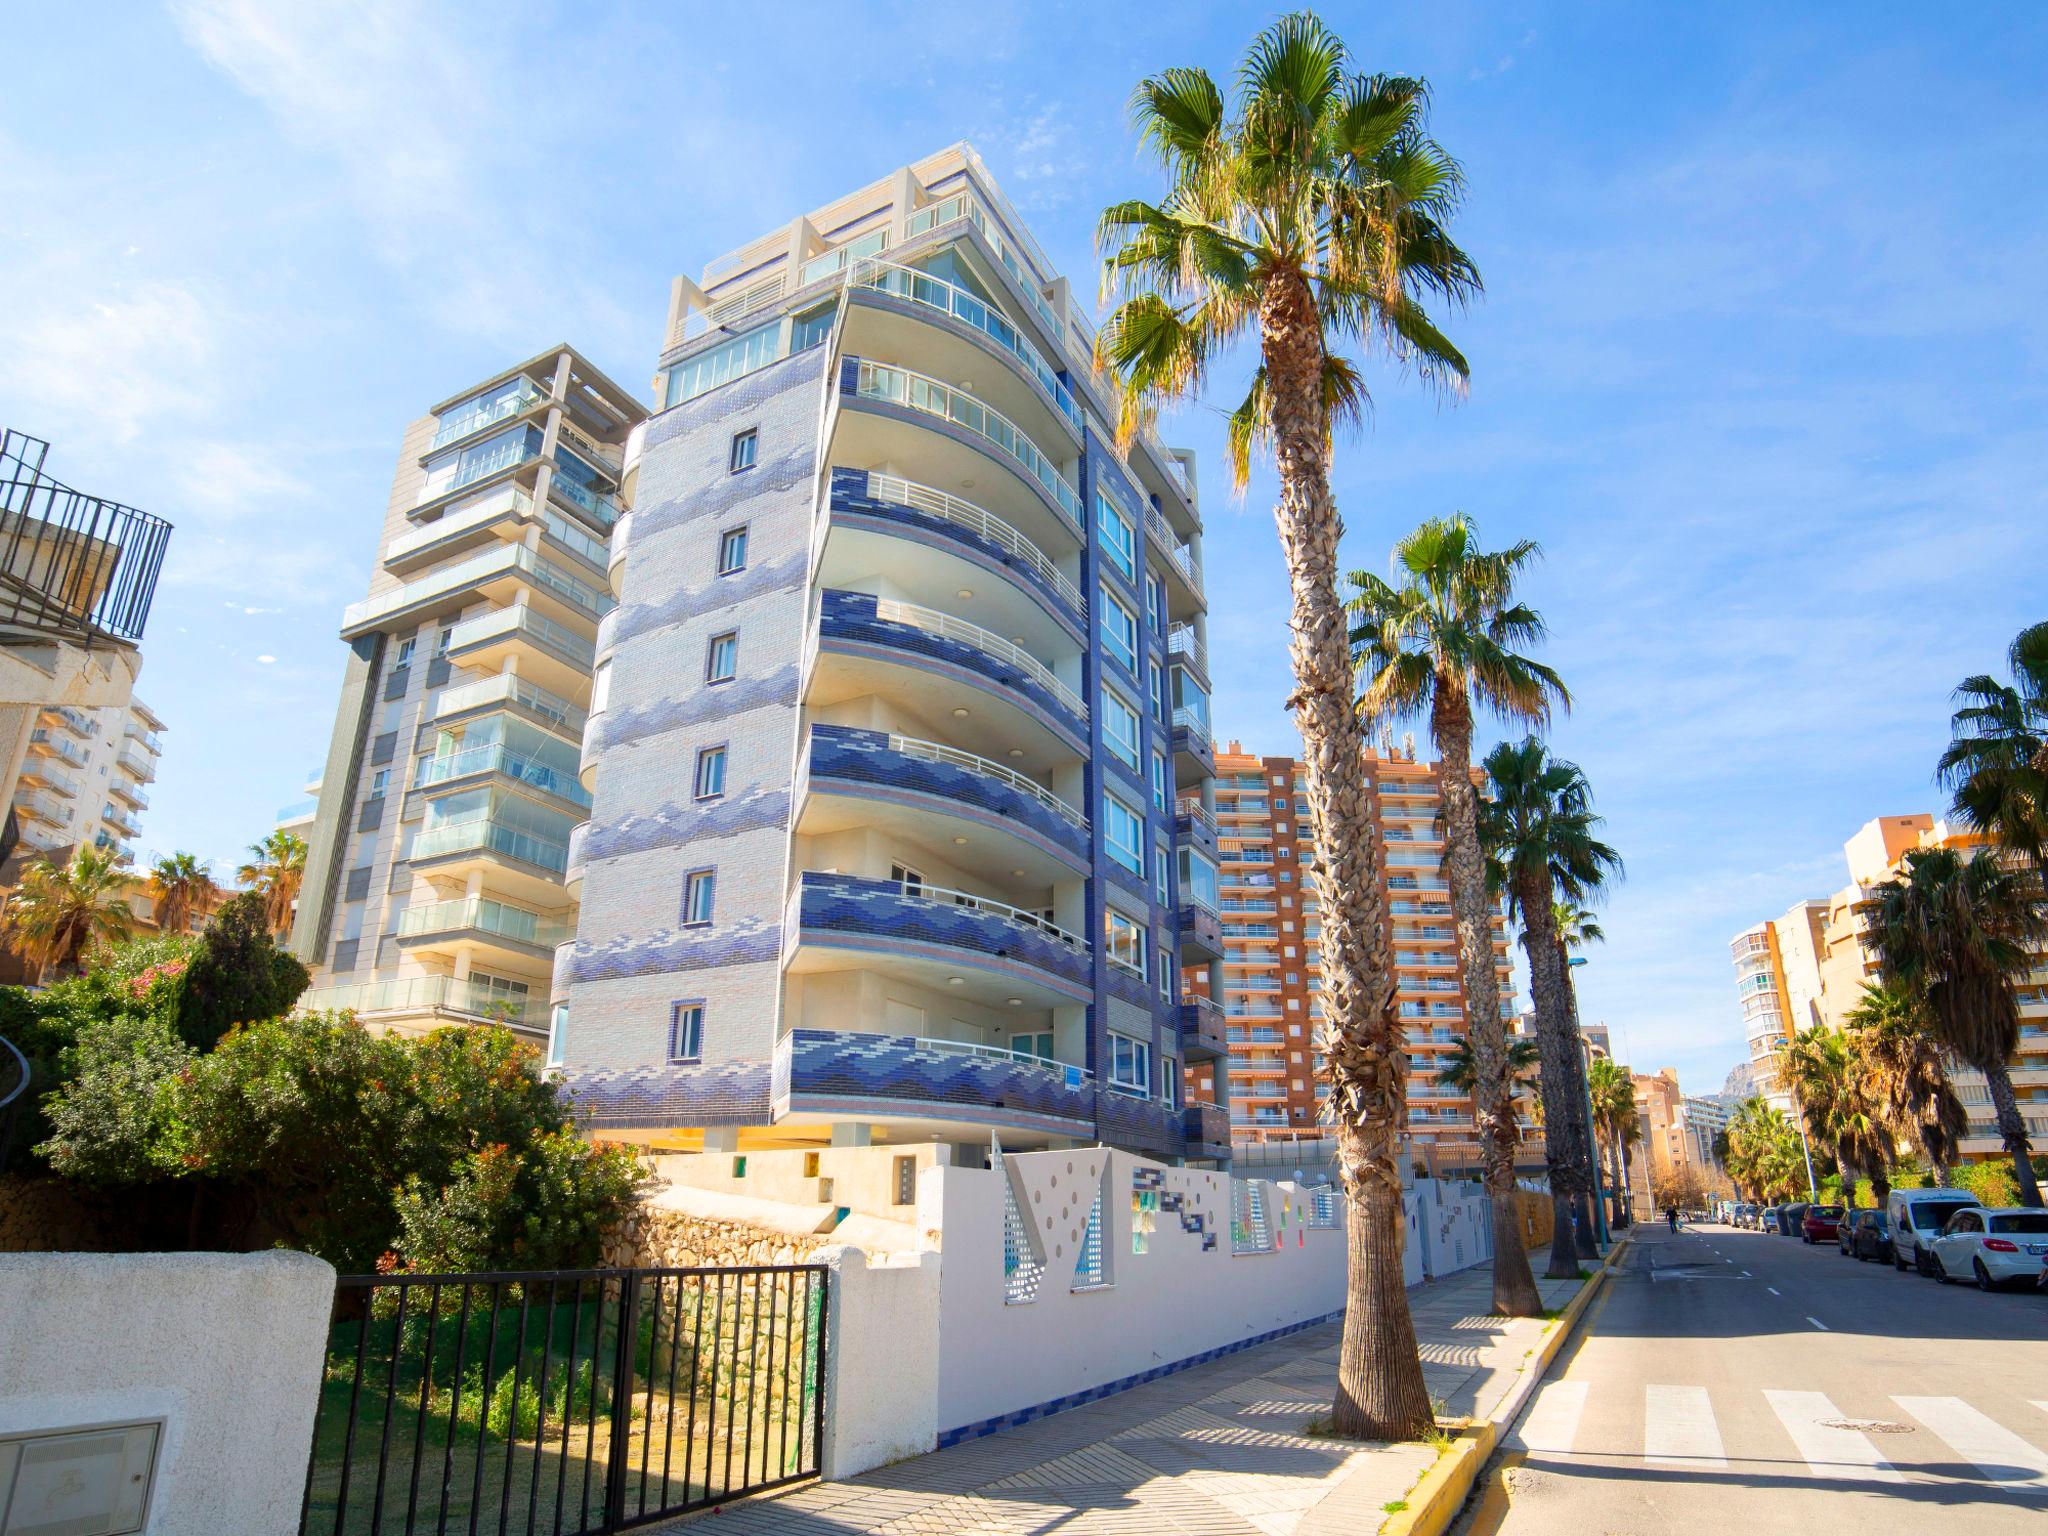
<point x="1182" y="641"/>
<point x="934" y="622"/>
<point x="1191" y="721"/>
<point x="940" y="895"/>
<point x="961" y="206"/>
<point x="498" y="622"/>
<point x="937" y="503"/>
<point x="933" y="397"/>
<point x="1195" y="812"/>
<point x="1074" y="1076"/>
<point x="497" y="502"/>
<point x="935" y="752"/>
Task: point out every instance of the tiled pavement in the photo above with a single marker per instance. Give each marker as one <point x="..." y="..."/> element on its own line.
<point x="1216" y="1450"/>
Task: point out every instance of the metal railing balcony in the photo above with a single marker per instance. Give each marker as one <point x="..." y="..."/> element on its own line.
<point x="933" y="397"/>
<point x="487" y="566"/>
<point x="1182" y="555"/>
<point x="76" y="721"/>
<point x="962" y="206"/>
<point x="503" y="621"/>
<point x="1191" y="721"/>
<point x="487" y="834"/>
<point x="72" y="565"/>
<point x="422" y="992"/>
<point x="43" y="739"/>
<point x="44" y="807"/>
<point x="144" y="768"/>
<point x="938" y="503"/>
<point x="934" y="293"/>
<point x="1074" y="1076"/>
<point x="517" y="449"/>
<point x="1181" y="640"/>
<point x="934" y="622"/>
<point x="940" y="895"/>
<point x="937" y="752"/>
<point x="483" y="915"/>
<point x="831" y="263"/>
<point x="126" y="789"/>
<point x="497" y="758"/>
<point x="509" y="688"/>
<point x="600" y="506"/>
<point x="477" y="417"/>
<point x="1195" y="812"/>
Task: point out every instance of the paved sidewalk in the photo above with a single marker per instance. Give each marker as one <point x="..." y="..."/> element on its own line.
<point x="1215" y="1450"/>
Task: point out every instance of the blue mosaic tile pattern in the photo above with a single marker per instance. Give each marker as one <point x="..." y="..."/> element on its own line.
<point x="833" y="1069"/>
<point x="848" y="622"/>
<point x="849" y="755"/>
<point x="1203" y="926"/>
<point x="1005" y="1421"/>
<point x="718" y="1093"/>
<point x="878" y="910"/>
<point x="1207" y="1125"/>
<point x="1202" y="1025"/>
<point x="1143" y="1125"/>
<point x="1191" y="833"/>
<point x="1175" y="1203"/>
<point x="1197" y="747"/>
<point x="851" y="498"/>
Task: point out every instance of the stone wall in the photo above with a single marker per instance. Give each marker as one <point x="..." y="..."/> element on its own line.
<point x="664" y="1239"/>
<point x="42" y="1215"/>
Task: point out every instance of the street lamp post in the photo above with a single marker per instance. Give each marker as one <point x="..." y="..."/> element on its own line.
<point x="1586" y="1087"/>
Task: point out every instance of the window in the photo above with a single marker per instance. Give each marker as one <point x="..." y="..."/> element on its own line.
<point x="1155" y="605"/>
<point x="722" y="658"/>
<point x="558" y="1033"/>
<point x="710" y="773"/>
<point x="379" y="782"/>
<point x="911" y="881"/>
<point x="1123" y="941"/>
<point x="1120" y="727"/>
<point x="732" y="551"/>
<point x="1162" y="876"/>
<point x="1158" y="692"/>
<point x="1118" y="538"/>
<point x="1033" y="1043"/>
<point x="405" y="650"/>
<point x="1159" y="795"/>
<point x="1119" y="631"/>
<point x="1130" y="1065"/>
<point x="1169" y="1081"/>
<point x="1197" y="878"/>
<point x="1164" y="949"/>
<point x="601" y="687"/>
<point x="743" y="446"/>
<point x="445" y="639"/>
<point x="686" y="1031"/>
<point x="698" y="888"/>
<point x="1123" y="830"/>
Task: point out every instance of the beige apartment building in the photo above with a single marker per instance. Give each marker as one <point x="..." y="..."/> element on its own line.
<point x="438" y="833"/>
<point x="85" y="778"/>
<point x="1271" y="991"/>
<point x="1823" y="961"/>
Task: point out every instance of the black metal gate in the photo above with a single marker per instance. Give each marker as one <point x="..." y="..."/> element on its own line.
<point x="572" y="1403"/>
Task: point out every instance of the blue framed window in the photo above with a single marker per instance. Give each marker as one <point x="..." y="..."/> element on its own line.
<point x="1120" y="727"/>
<point x="722" y="658"/>
<point x="700" y="888"/>
<point x="1119" y="631"/>
<point x="711" y="773"/>
<point x="686" y="1031"/>
<point x="1119" y="539"/>
<point x="1123" y="833"/>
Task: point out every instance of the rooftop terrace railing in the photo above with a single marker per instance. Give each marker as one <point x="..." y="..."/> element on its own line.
<point x="74" y="566"/>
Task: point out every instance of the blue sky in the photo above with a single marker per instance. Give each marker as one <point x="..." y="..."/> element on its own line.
<point x="1759" y="361"/>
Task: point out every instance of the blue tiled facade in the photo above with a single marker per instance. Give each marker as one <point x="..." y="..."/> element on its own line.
<point x="830" y="1070"/>
<point x="849" y="910"/>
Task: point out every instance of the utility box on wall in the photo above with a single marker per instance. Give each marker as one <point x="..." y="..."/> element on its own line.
<point x="91" y="1481"/>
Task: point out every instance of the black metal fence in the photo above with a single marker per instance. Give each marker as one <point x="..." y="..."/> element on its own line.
<point x="574" y="1402"/>
<point x="76" y="566"/>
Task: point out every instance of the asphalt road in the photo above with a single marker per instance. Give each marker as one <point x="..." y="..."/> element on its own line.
<point x="1733" y="1382"/>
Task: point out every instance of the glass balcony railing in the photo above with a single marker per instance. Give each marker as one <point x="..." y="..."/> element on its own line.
<point x="602" y="508"/>
<point x="488" y="507"/>
<point x="477" y="417"/>
<point x="43" y="739"/>
<point x="492" y="563"/>
<point x="487" y="834"/>
<point x="483" y="915"/>
<point x="921" y="392"/>
<point x="961" y="206"/>
<point x="497" y="758"/>
<point x="419" y="992"/>
<point x="935" y="293"/>
<point x="517" y="449"/>
<point x="298" y="810"/>
<point x="500" y="622"/>
<point x="509" y="688"/>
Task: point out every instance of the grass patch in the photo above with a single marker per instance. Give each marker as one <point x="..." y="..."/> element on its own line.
<point x="1439" y="1439"/>
<point x="1394" y="1506"/>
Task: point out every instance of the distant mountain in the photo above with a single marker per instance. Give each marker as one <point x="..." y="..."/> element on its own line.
<point x="1741" y="1083"/>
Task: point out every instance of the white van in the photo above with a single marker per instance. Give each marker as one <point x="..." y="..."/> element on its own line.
<point x="1917" y="1217"/>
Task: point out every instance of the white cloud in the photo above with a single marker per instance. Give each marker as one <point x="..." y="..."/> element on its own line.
<point x="223" y="482"/>
<point x="122" y="359"/>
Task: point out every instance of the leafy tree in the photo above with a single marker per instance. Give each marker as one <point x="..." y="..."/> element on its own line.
<point x="59" y="911"/>
<point x="238" y="973"/>
<point x="1444" y="642"/>
<point x="1540" y="834"/>
<point x="1311" y="213"/>
<point x="275" y="870"/>
<point x="110" y="1119"/>
<point x="1833" y="1098"/>
<point x="181" y="889"/>
<point x="1954" y="932"/>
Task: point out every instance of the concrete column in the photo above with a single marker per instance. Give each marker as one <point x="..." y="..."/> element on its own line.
<point x="848" y="1133"/>
<point x="722" y="1138"/>
<point x="882" y="1375"/>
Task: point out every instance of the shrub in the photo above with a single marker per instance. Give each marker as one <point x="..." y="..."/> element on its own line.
<point x="238" y="974"/>
<point x="111" y="1121"/>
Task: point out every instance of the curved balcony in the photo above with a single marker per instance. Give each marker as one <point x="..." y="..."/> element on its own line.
<point x="923" y="535"/>
<point x="924" y="400"/>
<point x="948" y="941"/>
<point x="615" y="554"/>
<point x="919" y="792"/>
<point x="462" y="770"/>
<point x="960" y="667"/>
<point x="904" y="311"/>
<point x="835" y="1073"/>
<point x="575" y="861"/>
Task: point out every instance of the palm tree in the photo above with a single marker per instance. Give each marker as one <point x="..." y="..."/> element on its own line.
<point x="1841" y="1114"/>
<point x="1900" y="1058"/>
<point x="1443" y="643"/>
<point x="1954" y="932"/>
<point x="1764" y="1156"/>
<point x="1576" y="928"/>
<point x="1539" y="829"/>
<point x="1996" y="762"/>
<point x="181" y="889"/>
<point x="276" y="869"/>
<point x="1311" y="213"/>
<point x="59" y="911"/>
<point x="1458" y="1066"/>
<point x="1613" y="1092"/>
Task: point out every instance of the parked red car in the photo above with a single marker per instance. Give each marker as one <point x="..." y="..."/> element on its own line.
<point x="1820" y="1224"/>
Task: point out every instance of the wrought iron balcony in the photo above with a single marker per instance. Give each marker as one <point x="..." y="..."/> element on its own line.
<point x="72" y="566"/>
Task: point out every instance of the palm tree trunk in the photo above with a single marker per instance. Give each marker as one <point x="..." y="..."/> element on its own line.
<point x="2012" y="1130"/>
<point x="1381" y="1393"/>
<point x="1472" y="907"/>
<point x="1554" y="1077"/>
<point x="1589" y="1245"/>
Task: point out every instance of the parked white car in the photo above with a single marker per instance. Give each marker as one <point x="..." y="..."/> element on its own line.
<point x="1917" y="1218"/>
<point x="1992" y="1247"/>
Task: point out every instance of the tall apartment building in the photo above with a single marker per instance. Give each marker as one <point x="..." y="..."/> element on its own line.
<point x="1271" y="988"/>
<point x="1705" y="1118"/>
<point x="1766" y="1008"/>
<point x="85" y="778"/>
<point x="434" y="876"/>
<point x="1843" y="961"/>
<point x="900" y="747"/>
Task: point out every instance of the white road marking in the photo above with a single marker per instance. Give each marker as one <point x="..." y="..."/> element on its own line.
<point x="1679" y="1429"/>
<point x="1823" y="1327"/>
<point x="2002" y="1456"/>
<point x="1837" y="1453"/>
<point x="1552" y="1423"/>
<point x="1772" y="1289"/>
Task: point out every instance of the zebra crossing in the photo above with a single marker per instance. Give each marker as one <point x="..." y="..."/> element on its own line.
<point x="1932" y="1438"/>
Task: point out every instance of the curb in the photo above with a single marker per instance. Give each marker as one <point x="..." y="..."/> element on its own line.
<point x="1435" y="1501"/>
